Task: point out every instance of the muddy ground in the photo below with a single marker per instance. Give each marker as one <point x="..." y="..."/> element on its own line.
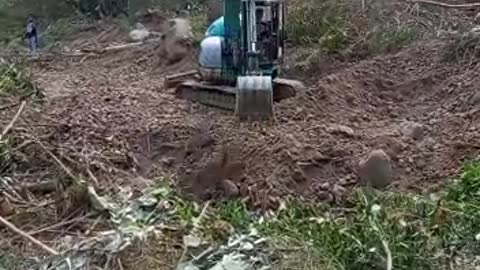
<point x="109" y="115"/>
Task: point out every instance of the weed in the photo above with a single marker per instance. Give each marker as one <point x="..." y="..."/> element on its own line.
<point x="236" y="213"/>
<point x="463" y="48"/>
<point x="15" y="80"/>
<point x="390" y="39"/>
<point x="187" y="211"/>
<point x="199" y="25"/>
<point x="409" y="231"/>
<point x="9" y="262"/>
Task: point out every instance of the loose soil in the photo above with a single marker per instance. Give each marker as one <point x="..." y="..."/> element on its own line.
<point x="114" y="110"/>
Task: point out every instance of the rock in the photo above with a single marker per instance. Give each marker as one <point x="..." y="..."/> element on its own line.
<point x="6" y="208"/>
<point x="338" y="191"/>
<point x="177" y="40"/>
<point x="325" y="186"/>
<point x="230" y="189"/>
<point x="420" y="163"/>
<point x="168" y="161"/>
<point x="139" y="33"/>
<point x="180" y="29"/>
<point x="413" y="130"/>
<point x="376" y="169"/>
<point x="341" y="129"/>
<point x="475" y="99"/>
<point x="299" y="176"/>
<point x="325" y="196"/>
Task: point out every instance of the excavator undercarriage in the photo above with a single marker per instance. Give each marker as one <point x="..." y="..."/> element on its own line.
<point x="191" y="86"/>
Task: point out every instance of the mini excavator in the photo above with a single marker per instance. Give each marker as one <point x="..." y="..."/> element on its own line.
<point x="251" y="53"/>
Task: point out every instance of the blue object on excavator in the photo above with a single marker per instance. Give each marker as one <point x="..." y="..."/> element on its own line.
<point x="216" y="29"/>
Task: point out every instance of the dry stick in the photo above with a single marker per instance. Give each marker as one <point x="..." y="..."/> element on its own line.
<point x="59" y="162"/>
<point x="446" y="5"/>
<point x="9" y="106"/>
<point x="25" y="235"/>
<point x="61" y="224"/>
<point x="15" y="118"/>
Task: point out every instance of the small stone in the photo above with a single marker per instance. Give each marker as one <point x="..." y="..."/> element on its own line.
<point x="338" y="191"/>
<point x="475" y="99"/>
<point x="299" y="177"/>
<point x="413" y="130"/>
<point x="376" y="169"/>
<point x="421" y="163"/>
<point x="325" y="186"/>
<point x="318" y="157"/>
<point x="325" y="196"/>
<point x="341" y="129"/>
<point x="168" y="161"/>
<point x="6" y="208"/>
<point x="345" y="181"/>
<point x="230" y="189"/>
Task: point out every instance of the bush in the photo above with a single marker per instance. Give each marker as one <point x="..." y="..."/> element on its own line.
<point x="412" y="232"/>
<point x="317" y="22"/>
<point x="14" y="80"/>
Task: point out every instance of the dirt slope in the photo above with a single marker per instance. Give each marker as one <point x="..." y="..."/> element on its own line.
<point x="113" y="112"/>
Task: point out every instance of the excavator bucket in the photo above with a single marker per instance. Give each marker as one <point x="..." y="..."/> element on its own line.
<point x="254" y="97"/>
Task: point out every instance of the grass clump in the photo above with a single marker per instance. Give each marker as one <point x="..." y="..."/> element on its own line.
<point x="463" y="48"/>
<point x="236" y="213"/>
<point x="409" y="232"/>
<point x="15" y="80"/>
<point x="391" y="39"/>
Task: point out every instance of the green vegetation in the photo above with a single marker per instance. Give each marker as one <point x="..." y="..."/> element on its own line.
<point x="463" y="48"/>
<point x="199" y="25"/>
<point x="373" y="230"/>
<point x="14" y="15"/>
<point x="411" y="232"/>
<point x="16" y="84"/>
<point x="334" y="27"/>
<point x="317" y="22"/>
<point x="15" y="80"/>
<point x="391" y="39"/>
<point x="9" y="262"/>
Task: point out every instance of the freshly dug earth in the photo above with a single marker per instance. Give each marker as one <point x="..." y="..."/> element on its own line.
<point x="114" y="110"/>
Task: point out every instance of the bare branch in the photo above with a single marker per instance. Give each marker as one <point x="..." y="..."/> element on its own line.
<point x="446" y="5"/>
<point x="28" y="237"/>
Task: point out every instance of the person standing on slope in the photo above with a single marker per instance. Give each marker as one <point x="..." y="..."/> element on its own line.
<point x="31" y="36"/>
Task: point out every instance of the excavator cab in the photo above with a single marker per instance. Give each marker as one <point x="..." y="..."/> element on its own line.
<point x="251" y="54"/>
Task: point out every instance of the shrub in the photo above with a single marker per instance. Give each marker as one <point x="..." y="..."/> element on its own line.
<point x="317" y="22"/>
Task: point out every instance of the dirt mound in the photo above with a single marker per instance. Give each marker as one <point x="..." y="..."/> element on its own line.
<point x="117" y="115"/>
